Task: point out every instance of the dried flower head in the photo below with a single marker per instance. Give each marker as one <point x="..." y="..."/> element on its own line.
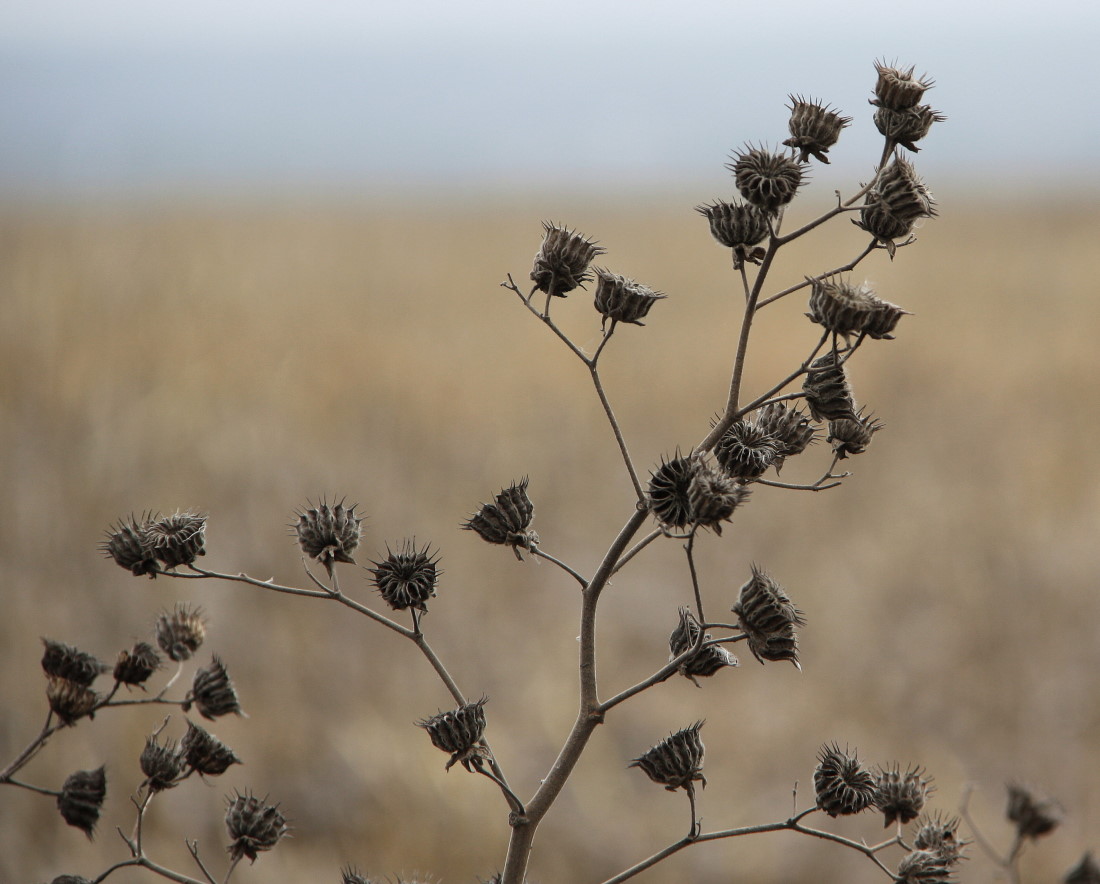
<point x="737" y="226"/>
<point x="180" y="632"/>
<point x="126" y="544"/>
<point x="459" y="732"/>
<point x="901" y="796"/>
<point x="907" y="127"/>
<point x="814" y="128"/>
<point x="940" y="835"/>
<point x="70" y="700"/>
<point x="407" y="578"/>
<point x="621" y="299"/>
<point x="923" y="867"/>
<point x="790" y="429"/>
<point x="134" y="667"/>
<point x="846" y="308"/>
<point x="841" y="783"/>
<point x="828" y="394"/>
<point x="767" y="180"/>
<point x="162" y="764"/>
<point x="745" y="451"/>
<point x="329" y="533"/>
<point x="81" y="799"/>
<point x="707" y="660"/>
<point x="1087" y="871"/>
<point x="898" y="89"/>
<point x="65" y="661"/>
<point x="768" y="619"/>
<point x="898" y="200"/>
<point x="1033" y="817"/>
<point x="853" y="436"/>
<point x="670" y="491"/>
<point x="562" y="261"/>
<point x="507" y="520"/>
<point x="205" y="753"/>
<point x="178" y="539"/>
<point x="253" y="826"/>
<point x="212" y="692"/>
<point x="713" y="496"/>
<point x="677" y="761"/>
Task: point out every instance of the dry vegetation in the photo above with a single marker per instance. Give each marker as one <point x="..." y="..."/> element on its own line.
<point x="242" y="361"/>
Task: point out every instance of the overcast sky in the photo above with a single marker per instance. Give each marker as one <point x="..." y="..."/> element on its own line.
<point x="124" y="96"/>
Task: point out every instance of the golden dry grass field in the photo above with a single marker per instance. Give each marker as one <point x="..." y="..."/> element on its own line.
<point x="243" y="360"/>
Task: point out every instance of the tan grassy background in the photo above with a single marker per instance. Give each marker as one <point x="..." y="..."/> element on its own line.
<point x="243" y="360"/>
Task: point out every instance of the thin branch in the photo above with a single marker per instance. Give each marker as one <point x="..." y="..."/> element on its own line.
<point x="637" y="548"/>
<point x="605" y="402"/>
<point x="689" y="548"/>
<point x="193" y="849"/>
<point x="575" y="575"/>
<point x="39" y="789"/>
<point x="810" y="280"/>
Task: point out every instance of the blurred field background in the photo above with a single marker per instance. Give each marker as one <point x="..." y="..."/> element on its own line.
<point x="242" y="359"/>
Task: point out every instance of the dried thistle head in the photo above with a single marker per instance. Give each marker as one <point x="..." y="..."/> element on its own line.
<point x="853" y="436"/>
<point x="828" y="393"/>
<point x="745" y="451"/>
<point x="907" y="127"/>
<point x="898" y="200"/>
<point x="459" y="732"/>
<point x="896" y="88"/>
<point x="767" y="180"/>
<point x="65" y="661"/>
<point x="670" y="491"/>
<point x="814" y="128"/>
<point x="205" y="753"/>
<point x="707" y="660"/>
<point x="81" y="799"/>
<point x="177" y="540"/>
<point x="737" y="226"/>
<point x="162" y="764"/>
<point x="923" y="867"/>
<point x="253" y="826"/>
<point x="561" y="263"/>
<point x="329" y="533"/>
<point x="180" y="633"/>
<point x="846" y="308"/>
<point x="126" y="544"/>
<point x="134" y="667"/>
<point x="507" y="520"/>
<point x="1034" y="817"/>
<point x="407" y="578"/>
<point x="901" y="796"/>
<point x="940" y="835"/>
<point x="621" y="299"/>
<point x="70" y="700"/>
<point x="790" y="428"/>
<point x="212" y="692"/>
<point x="713" y="496"/>
<point x="841" y="783"/>
<point x="768" y="619"/>
<point x="677" y="761"/>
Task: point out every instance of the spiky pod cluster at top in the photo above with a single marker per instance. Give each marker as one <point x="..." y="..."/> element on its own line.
<point x="900" y="116"/>
<point x="814" y="128"/>
<point x="562" y="261"/>
<point x="150" y="544"/>
<point x="688" y="492"/>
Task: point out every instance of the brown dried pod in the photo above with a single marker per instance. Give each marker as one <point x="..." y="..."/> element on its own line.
<point x="65" y="661"/>
<point x="745" y="451"/>
<point x="134" y="667"/>
<point x="177" y="540"/>
<point x="940" y="835"/>
<point x="507" y="520"/>
<point x="828" y="394"/>
<point x="790" y="428"/>
<point x="205" y="753"/>
<point x="907" y="127"/>
<point x="768" y="619"/>
<point x="621" y="299"/>
<point x="329" y="533"/>
<point x="1033" y="817"/>
<point x="1087" y="871"/>
<point x="180" y="633"/>
<point x="713" y="496"/>
<point x="901" y="796"/>
<point x="162" y="764"/>
<point x="677" y="761"/>
<point x="459" y="732"/>
<point x="81" y="799"/>
<point x="814" y="128"/>
<point x="561" y="263"/>
<point x="126" y="543"/>
<point x="842" y="785"/>
<point x="767" y="180"/>
<point x="923" y="867"/>
<point x="737" y="226"/>
<point x="853" y="436"/>
<point x="212" y="692"/>
<point x="846" y="308"/>
<point x="670" y="491"/>
<point x="407" y="578"/>
<point x="706" y="661"/>
<point x="898" y="89"/>
<point x="69" y="700"/>
<point x="253" y="826"/>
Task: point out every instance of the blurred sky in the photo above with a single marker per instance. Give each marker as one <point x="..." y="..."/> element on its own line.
<point x="293" y="96"/>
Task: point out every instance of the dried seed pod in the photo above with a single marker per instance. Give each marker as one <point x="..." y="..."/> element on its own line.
<point x="745" y="451"/>
<point x="134" y="667"/>
<point x="767" y="180"/>
<point x="768" y="619"/>
<point x="69" y="700"/>
<point x="901" y="796"/>
<point x="898" y="200"/>
<point x="941" y="836"/>
<point x="670" y="491"/>
<point x="923" y="867"/>
<point x="253" y="826"/>
<point x="81" y="799"/>
<point x="561" y="263"/>
<point x="737" y="226"/>
<point x="827" y="391"/>
<point x="126" y="544"/>
<point x="853" y="436"/>
<point x="407" y="578"/>
<point x="181" y="632"/>
<point x="789" y="427"/>
<point x="1087" y="871"/>
<point x="212" y="692"/>
<point x="178" y="539"/>
<point x="329" y="533"/>
<point x="845" y="308"/>
<point x="898" y="89"/>
<point x="351" y="875"/>
<point x="907" y="127"/>
<point x="65" y="661"/>
<point x="842" y="785"/>
<point x="706" y="661"/>
<point x="712" y="497"/>
<point x="677" y="761"/>
<point x="507" y="520"/>
<point x="162" y="764"/>
<point x="814" y="128"/>
<point x="459" y="732"/>
<point x="883" y="322"/>
<point x="621" y="299"/>
<point x="205" y="753"/>
<point x="1033" y="817"/>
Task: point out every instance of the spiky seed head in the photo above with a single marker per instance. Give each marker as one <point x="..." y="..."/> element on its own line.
<point x="677" y="761"/>
<point x="205" y="753"/>
<point x="923" y="867"/>
<point x="329" y="533"/>
<point x="940" y="835"/>
<point x="767" y="180"/>
<point x="212" y="692"/>
<point x="882" y="323"/>
<point x="841" y="783"/>
<point x="713" y="496"/>
<point x="790" y="428"/>
<point x="897" y="88"/>
<point x="134" y="667"/>
<point x="706" y="661"/>
<point x="253" y="826"/>
<point x="745" y="451"/>
<point x="907" y="127"/>
<point x="898" y="200"/>
<point x="737" y="226"/>
<point x="814" y="128"/>
<point x="846" y="308"/>
<point x="65" y="661"/>
<point x="180" y="632"/>
<point x="178" y="539"/>
<point x="407" y="578"/>
<point x="162" y="764"/>
<point x="828" y="393"/>
<point x="621" y="299"/>
<point x="1033" y="817"/>
<point x="126" y="543"/>
<point x="507" y="520"/>
<point x="670" y="491"/>
<point x="561" y="263"/>
<point x="768" y="618"/>
<point x="69" y="700"/>
<point x="853" y="436"/>
<point x="81" y="799"/>
<point x="901" y="796"/>
<point x="459" y="732"/>
<point x="1087" y="871"/>
<point x="352" y="875"/>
